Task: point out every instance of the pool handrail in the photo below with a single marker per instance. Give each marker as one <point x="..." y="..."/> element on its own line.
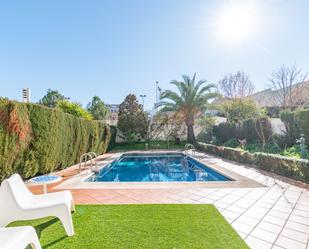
<point x="84" y="158"/>
<point x="189" y="147"/>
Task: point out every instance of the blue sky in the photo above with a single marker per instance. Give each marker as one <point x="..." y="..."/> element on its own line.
<point x="112" y="48"/>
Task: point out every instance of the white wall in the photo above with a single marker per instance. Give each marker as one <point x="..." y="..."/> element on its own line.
<point x="277" y="126"/>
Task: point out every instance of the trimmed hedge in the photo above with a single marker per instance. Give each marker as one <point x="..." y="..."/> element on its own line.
<point x="112" y="143"/>
<point x="232" y="154"/>
<point x="294" y="168"/>
<point x="290" y="167"/>
<point x="36" y="140"/>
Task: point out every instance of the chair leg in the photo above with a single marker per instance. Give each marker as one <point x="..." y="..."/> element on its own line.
<point x="66" y="220"/>
<point x="35" y="245"/>
<point x="72" y="206"/>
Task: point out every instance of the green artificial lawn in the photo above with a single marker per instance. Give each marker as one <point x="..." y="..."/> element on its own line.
<point x="140" y="226"/>
<point x="152" y="145"/>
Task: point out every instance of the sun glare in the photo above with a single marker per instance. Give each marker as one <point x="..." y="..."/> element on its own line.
<point x="236" y="21"/>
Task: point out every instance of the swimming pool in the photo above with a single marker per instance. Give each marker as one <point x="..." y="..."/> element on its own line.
<point x="168" y="167"/>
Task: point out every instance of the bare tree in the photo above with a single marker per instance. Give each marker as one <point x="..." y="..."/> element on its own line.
<point x="288" y="85"/>
<point x="236" y="85"/>
<point x="263" y="129"/>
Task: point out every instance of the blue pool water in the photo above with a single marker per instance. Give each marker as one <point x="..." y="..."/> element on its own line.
<point x="156" y="168"/>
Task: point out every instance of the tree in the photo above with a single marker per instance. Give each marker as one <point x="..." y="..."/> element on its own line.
<point x="97" y="108"/>
<point x="206" y="122"/>
<point x="175" y="127"/>
<point x="166" y="123"/>
<point x="291" y="131"/>
<point x="74" y="109"/>
<point x="190" y="101"/>
<point x="51" y="98"/>
<point x="132" y="120"/>
<point x="263" y="129"/>
<point x="288" y="86"/>
<point x="238" y="110"/>
<point x="236" y="85"/>
<point x="245" y="112"/>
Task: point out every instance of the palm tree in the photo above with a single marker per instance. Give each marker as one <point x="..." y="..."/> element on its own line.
<point x="191" y="100"/>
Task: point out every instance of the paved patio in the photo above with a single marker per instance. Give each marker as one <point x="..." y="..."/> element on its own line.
<point x="274" y="216"/>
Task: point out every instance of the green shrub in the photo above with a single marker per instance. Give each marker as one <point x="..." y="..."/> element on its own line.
<point x="254" y="129"/>
<point x="251" y="130"/>
<point x="204" y="137"/>
<point x="302" y="118"/>
<point x="295" y="152"/>
<point x="36" y="139"/>
<point x="238" y="110"/>
<point x="224" y="132"/>
<point x="280" y="140"/>
<point x="207" y="123"/>
<point x="237" y="155"/>
<point x="234" y="154"/>
<point x="291" y="126"/>
<point x="74" y="109"/>
<point x="290" y="167"/>
<point x="296" y="123"/>
<point x="232" y="143"/>
<point x="257" y="146"/>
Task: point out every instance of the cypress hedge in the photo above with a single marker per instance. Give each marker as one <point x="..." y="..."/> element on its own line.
<point x="36" y="140"/>
<point x="302" y="117"/>
<point x="112" y="143"/>
<point x="294" y="168"/>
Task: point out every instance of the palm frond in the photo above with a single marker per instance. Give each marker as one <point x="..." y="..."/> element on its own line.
<point x="208" y="96"/>
<point x="190" y="99"/>
<point x="206" y="89"/>
<point x="168" y="109"/>
<point x="186" y="79"/>
<point x="199" y="84"/>
<point x="163" y="103"/>
<point x="168" y="94"/>
<point x="181" y="86"/>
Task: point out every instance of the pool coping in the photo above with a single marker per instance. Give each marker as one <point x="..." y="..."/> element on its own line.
<point x="238" y="181"/>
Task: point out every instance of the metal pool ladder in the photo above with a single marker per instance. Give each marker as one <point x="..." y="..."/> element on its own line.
<point x="92" y="156"/>
<point x="188" y="148"/>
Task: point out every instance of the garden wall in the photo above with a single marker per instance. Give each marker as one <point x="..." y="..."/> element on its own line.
<point x="294" y="168"/>
<point x="38" y="140"/>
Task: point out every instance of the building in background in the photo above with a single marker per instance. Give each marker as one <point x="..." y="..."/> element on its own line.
<point x="26" y="95"/>
<point x="295" y="96"/>
<point x="112" y="117"/>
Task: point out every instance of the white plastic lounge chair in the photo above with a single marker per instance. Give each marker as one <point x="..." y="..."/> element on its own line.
<point x="18" y="238"/>
<point x="18" y="203"/>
